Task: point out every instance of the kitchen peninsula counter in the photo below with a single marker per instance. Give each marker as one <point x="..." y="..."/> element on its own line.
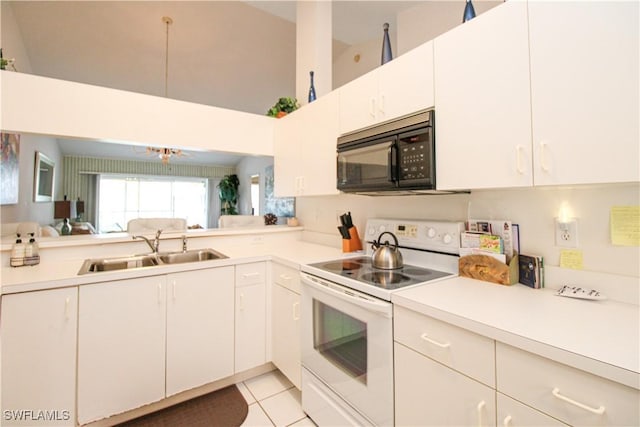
<point x="61" y="260"/>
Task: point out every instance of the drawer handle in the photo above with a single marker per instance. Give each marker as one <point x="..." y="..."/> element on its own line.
<point x="479" y="408"/>
<point x="598" y="411"/>
<point x="434" y="342"/>
<point x="247" y="275"/>
<point x="285" y="277"/>
<point x="507" y="421"/>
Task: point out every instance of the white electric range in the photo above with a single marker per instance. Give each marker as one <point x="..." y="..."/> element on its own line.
<point x="347" y="320"/>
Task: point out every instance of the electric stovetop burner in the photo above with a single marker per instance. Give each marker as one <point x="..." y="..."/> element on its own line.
<point x="360" y="269"/>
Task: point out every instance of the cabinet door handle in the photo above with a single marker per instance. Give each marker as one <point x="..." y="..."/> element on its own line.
<point x="519" y="155"/>
<point x="67" y="303"/>
<point x="598" y="411"/>
<point x="372" y="107"/>
<point x="173" y="290"/>
<point x="295" y="311"/>
<point x="381" y="107"/>
<point x="479" y="408"/>
<point x="159" y="293"/>
<point x="507" y="421"/>
<point x="434" y="342"/>
<point x="241" y="302"/>
<point x="543" y="158"/>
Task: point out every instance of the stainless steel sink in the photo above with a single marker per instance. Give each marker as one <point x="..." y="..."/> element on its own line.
<point x="190" y="256"/>
<point x="96" y="265"/>
<point x="118" y="263"/>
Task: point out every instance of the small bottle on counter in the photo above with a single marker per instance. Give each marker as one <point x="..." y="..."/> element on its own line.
<point x="32" y="253"/>
<point x="17" y="253"/>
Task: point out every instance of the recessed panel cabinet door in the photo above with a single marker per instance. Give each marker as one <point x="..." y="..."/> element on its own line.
<point x="584" y="91"/>
<point x="39" y="357"/>
<point x="199" y="327"/>
<point x="121" y="346"/>
<point x="483" y="105"/>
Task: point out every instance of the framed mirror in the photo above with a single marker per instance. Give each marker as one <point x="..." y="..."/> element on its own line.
<point x="43" y="178"/>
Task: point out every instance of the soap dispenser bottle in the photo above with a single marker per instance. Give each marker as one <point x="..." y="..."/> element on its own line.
<point x="32" y="255"/>
<point x="17" y="253"/>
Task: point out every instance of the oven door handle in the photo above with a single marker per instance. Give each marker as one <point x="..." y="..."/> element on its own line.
<point x="380" y="307"/>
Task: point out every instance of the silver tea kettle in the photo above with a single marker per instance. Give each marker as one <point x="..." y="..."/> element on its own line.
<point x="385" y="256"/>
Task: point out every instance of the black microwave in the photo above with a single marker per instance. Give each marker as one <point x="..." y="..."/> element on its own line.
<point x="394" y="156"/>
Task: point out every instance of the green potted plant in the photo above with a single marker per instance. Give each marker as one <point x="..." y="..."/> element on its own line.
<point x="228" y="193"/>
<point x="283" y="107"/>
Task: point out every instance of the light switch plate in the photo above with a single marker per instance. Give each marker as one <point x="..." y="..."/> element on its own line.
<point x="567" y="233"/>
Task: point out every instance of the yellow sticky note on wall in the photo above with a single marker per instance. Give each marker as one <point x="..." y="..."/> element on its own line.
<point x="625" y="225"/>
<point x="571" y="258"/>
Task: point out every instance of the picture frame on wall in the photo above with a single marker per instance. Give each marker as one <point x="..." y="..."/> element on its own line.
<point x="9" y="168"/>
<point x="43" y="178"/>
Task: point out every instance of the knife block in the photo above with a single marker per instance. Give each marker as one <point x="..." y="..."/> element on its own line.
<point x="354" y="243"/>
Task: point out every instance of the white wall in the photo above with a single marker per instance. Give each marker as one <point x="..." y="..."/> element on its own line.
<point x="533" y="209"/>
<point x="11" y="39"/>
<point x="27" y="209"/>
<point x="245" y="169"/>
<point x="428" y="20"/>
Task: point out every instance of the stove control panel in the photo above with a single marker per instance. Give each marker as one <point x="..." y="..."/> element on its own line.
<point x="439" y="236"/>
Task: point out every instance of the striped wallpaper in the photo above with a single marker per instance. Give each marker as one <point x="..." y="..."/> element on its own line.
<point x="79" y="174"/>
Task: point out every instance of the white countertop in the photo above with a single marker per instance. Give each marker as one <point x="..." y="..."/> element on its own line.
<point x="247" y="247"/>
<point x="602" y="337"/>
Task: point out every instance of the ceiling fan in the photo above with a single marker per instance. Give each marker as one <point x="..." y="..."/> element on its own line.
<point x="164" y="154"/>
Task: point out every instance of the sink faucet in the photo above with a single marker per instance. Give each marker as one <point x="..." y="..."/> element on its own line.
<point x="156" y="242"/>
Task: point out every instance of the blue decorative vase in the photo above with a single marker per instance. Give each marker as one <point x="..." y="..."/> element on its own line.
<point x="469" y="12"/>
<point x="386" y="45"/>
<point x="312" y="89"/>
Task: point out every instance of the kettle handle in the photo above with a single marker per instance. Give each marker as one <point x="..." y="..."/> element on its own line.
<point x="395" y="239"/>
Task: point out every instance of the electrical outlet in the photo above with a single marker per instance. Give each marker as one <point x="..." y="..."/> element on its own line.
<point x="567" y="233"/>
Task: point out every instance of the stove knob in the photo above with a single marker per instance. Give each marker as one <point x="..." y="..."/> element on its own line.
<point x="447" y="239"/>
<point x="371" y="230"/>
<point x="382" y="229"/>
<point x="431" y="232"/>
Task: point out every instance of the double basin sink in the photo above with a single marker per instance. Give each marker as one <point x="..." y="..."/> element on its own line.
<point x="96" y="265"/>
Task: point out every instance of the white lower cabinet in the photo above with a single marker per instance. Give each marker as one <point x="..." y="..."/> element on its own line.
<point x="571" y="395"/>
<point x="512" y="413"/>
<point x="199" y="333"/>
<point x="39" y="357"/>
<point x="250" y="316"/>
<point x="429" y="393"/>
<point x="121" y="346"/>
<point x="286" y="322"/>
<point x="141" y="340"/>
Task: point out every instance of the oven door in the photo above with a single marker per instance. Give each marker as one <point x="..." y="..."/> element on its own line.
<point x="347" y="343"/>
<point x="371" y="166"/>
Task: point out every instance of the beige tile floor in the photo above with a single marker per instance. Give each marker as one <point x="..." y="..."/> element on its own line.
<point x="273" y="401"/>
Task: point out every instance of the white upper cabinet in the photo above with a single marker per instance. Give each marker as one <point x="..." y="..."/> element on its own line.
<point x="483" y="106"/>
<point x="399" y="87"/>
<point x="539" y="93"/>
<point x="305" y="149"/>
<point x="584" y="91"/>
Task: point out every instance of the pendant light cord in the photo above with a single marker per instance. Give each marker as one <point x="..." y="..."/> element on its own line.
<point x="168" y="21"/>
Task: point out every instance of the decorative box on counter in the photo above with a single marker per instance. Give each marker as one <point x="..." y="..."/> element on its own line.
<point x="489" y="269"/>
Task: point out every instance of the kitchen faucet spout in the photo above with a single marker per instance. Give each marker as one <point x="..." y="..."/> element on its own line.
<point x="155" y="246"/>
